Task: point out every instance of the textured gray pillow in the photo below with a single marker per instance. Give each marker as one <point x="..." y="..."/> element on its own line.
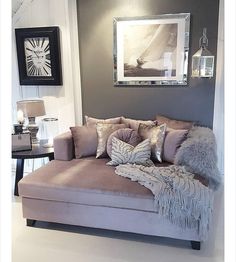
<point x="123" y="153"/>
<point x="198" y="154"/>
<point x="85" y="140"/>
<point x="126" y="135"/>
<point x="156" y="134"/>
<point x="103" y="132"/>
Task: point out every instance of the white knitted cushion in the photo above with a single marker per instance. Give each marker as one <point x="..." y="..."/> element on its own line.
<point x="123" y="153"/>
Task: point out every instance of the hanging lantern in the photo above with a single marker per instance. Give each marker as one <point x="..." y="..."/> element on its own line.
<point x="203" y="60"/>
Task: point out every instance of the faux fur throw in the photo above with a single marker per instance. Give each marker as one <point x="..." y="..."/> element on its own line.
<point x="178" y="197"/>
<point x="198" y="154"/>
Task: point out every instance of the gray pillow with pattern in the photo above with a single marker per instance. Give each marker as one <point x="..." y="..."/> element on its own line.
<point x="123" y="153"/>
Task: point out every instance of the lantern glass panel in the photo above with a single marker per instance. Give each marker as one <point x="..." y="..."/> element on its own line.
<point x="196" y="66"/>
<point x="202" y="66"/>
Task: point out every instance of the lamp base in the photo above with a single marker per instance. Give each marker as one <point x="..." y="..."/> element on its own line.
<point x="33" y="130"/>
<point x="35" y="141"/>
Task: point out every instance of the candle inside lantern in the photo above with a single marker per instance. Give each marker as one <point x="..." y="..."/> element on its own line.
<point x="20" y="117"/>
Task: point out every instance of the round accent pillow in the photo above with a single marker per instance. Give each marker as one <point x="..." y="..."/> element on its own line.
<point x="126" y="135"/>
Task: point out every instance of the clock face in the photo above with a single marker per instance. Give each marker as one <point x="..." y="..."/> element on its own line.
<point x="37" y="55"/>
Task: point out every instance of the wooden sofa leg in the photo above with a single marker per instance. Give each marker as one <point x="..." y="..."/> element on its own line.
<point x="30" y="222"/>
<point x="196" y="245"/>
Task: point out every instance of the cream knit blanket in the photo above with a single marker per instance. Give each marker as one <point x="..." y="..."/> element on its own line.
<point x="178" y="197"/>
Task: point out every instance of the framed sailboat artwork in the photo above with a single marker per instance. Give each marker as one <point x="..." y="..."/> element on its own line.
<point x="151" y="50"/>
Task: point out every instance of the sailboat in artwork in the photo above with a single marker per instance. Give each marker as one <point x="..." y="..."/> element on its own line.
<point x="158" y="55"/>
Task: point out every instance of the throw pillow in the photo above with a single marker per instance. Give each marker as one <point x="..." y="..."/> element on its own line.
<point x="156" y="134"/>
<point x="126" y="135"/>
<point x="198" y="153"/>
<point x="173" y="140"/>
<point x="103" y="132"/>
<point x="175" y="124"/>
<point x="91" y="121"/>
<point x="134" y="124"/>
<point x="85" y="140"/>
<point x="123" y="153"/>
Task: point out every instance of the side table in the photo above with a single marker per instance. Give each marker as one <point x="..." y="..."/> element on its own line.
<point x="38" y="151"/>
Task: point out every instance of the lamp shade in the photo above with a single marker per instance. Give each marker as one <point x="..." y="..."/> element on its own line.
<point x="31" y="108"/>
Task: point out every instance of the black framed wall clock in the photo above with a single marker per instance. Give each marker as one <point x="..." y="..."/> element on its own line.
<point x="38" y="54"/>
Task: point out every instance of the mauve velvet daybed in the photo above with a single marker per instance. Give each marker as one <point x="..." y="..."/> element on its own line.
<point x="87" y="192"/>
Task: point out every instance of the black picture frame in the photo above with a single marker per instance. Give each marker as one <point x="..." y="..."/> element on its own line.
<point x="55" y="56"/>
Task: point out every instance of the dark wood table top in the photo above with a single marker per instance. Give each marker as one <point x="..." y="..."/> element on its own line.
<point x="38" y="151"/>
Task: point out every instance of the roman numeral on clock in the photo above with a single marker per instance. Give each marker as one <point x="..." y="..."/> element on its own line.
<point x="29" y="49"/>
<point x="45" y="70"/>
<point x="42" y="43"/>
<point x="37" y="41"/>
<point x="32" y="43"/>
<point x="46" y="48"/>
<point x="29" y="58"/>
<point x="30" y="64"/>
<point x="48" y="56"/>
<point x="48" y="64"/>
<point x="38" y="72"/>
<point x="32" y="70"/>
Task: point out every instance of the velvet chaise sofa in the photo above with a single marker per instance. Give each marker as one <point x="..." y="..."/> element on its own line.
<point x="85" y="191"/>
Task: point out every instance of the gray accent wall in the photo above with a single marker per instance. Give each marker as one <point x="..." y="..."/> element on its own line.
<point x="100" y="98"/>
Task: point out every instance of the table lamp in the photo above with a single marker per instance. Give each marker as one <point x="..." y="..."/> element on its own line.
<point x="31" y="109"/>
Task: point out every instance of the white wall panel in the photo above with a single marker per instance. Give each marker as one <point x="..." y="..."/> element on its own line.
<point x="59" y="100"/>
<point x="218" y="123"/>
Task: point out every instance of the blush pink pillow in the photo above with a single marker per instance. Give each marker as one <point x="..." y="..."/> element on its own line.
<point x="126" y="135"/>
<point x="134" y="124"/>
<point x="85" y="140"/>
<point x="173" y="140"/>
<point x="91" y="121"/>
<point x="175" y="124"/>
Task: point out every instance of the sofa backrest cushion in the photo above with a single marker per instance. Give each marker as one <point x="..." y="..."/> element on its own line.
<point x="134" y="124"/>
<point x="126" y="135"/>
<point x="85" y="140"/>
<point x="91" y="121"/>
<point x="175" y="124"/>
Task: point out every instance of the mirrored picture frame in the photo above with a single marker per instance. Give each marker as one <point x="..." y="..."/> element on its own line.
<point x="151" y="50"/>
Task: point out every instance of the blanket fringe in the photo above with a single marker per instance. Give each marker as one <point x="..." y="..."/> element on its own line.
<point x="178" y="197"/>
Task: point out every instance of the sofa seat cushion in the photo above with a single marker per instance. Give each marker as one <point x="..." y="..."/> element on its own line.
<point x="87" y="181"/>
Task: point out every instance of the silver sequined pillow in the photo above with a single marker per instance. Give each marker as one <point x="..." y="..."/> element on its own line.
<point x="156" y="134"/>
<point x="123" y="153"/>
<point x="103" y="132"/>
